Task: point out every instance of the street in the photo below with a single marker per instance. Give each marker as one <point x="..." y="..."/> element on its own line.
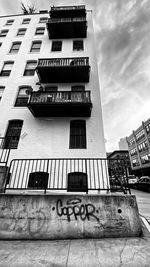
<point x="143" y="201"/>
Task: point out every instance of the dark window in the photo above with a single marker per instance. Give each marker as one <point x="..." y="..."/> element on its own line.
<point x="56" y="46"/>
<point x="51" y="88"/>
<point x="39" y="31"/>
<point x="0" y="44"/>
<point x="9" y="22"/>
<point x="77" y="88"/>
<point x="43" y="20"/>
<point x="21" y="32"/>
<point x="15" y="47"/>
<point x="3" y="33"/>
<point x="77" y="182"/>
<point x="26" y="21"/>
<point x="22" y="98"/>
<point x="38" y="180"/>
<point x="36" y="45"/>
<point x="6" y="70"/>
<point x="78" y="45"/>
<point x="30" y="68"/>
<point x="13" y="134"/>
<point x="77" y="134"/>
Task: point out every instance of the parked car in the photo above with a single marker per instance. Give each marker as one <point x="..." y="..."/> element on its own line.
<point x="132" y="179"/>
<point x="143" y="184"/>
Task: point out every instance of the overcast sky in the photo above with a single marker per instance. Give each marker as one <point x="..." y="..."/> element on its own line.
<point x="123" y="43"/>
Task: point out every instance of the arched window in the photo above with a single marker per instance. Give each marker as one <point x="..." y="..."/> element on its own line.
<point x="38" y="180"/>
<point x="22" y="97"/>
<point x="77" y="182"/>
<point x="13" y="134"/>
<point x="78" y="134"/>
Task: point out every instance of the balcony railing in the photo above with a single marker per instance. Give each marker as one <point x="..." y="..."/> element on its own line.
<point x="63" y="62"/>
<point x="60" y="97"/>
<point x="63" y="70"/>
<point x="4" y="152"/>
<point x="60" y="103"/>
<point x="68" y="174"/>
<point x="58" y="20"/>
<point x="67" y="8"/>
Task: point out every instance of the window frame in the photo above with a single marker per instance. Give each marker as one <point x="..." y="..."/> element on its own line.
<point x="78" y="45"/>
<point x="14" y="50"/>
<point x="6" y="73"/>
<point x="42" y="29"/>
<point x="21" y="29"/>
<point x="9" y="22"/>
<point x="12" y="138"/>
<point x="77" y="134"/>
<point x="25" y="97"/>
<point x="26" y="21"/>
<point x="3" y="33"/>
<point x="56" y="46"/>
<point x="29" y="71"/>
<point x="35" y="49"/>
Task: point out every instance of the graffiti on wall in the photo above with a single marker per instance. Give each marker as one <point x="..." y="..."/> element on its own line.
<point x="75" y="209"/>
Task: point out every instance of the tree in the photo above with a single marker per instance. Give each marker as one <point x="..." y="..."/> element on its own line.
<point x="28" y="9"/>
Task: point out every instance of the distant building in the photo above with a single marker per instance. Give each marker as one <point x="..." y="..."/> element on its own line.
<point x="139" y="149"/>
<point x="120" y="160"/>
<point x="123" y="145"/>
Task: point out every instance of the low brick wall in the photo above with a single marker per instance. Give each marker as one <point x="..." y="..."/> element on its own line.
<point x="68" y="216"/>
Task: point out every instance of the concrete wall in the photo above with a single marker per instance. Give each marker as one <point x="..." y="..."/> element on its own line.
<point x="68" y="216"/>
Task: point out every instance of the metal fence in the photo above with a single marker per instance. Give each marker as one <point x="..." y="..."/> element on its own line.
<point x="4" y="152"/>
<point x="59" y="62"/>
<point x="96" y="171"/>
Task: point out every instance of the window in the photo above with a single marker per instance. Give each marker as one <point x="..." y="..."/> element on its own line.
<point x="56" y="46"/>
<point x="13" y="134"/>
<point x="22" y="98"/>
<point x="77" y="45"/>
<point x="15" y="47"/>
<point x="78" y="134"/>
<point x="51" y="88"/>
<point x="77" y="88"/>
<point x="9" y="22"/>
<point x="43" y="20"/>
<point x="7" y="68"/>
<point x="39" y="31"/>
<point x="1" y="91"/>
<point x="36" y="45"/>
<point x="38" y="180"/>
<point x="0" y="44"/>
<point x="26" y="21"/>
<point x="21" y="32"/>
<point x="30" y="68"/>
<point x="3" y="33"/>
<point x="77" y="182"/>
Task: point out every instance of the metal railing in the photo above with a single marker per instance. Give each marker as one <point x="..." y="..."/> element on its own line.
<point x="58" y="170"/>
<point x="29" y="174"/>
<point x="58" y="20"/>
<point x="4" y="152"/>
<point x="60" y="97"/>
<point x="66" y="62"/>
<point x="67" y="8"/>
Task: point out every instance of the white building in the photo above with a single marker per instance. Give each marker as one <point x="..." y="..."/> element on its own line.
<point x="50" y="104"/>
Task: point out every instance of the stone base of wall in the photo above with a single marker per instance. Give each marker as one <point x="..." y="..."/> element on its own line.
<point x="68" y="216"/>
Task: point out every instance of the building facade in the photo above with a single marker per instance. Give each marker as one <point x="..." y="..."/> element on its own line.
<point x="123" y="145"/>
<point x="50" y="105"/>
<point x="139" y="149"/>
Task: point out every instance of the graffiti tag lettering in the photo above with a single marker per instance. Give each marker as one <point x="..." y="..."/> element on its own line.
<point x="75" y="208"/>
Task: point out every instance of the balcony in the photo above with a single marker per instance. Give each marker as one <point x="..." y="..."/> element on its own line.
<point x="60" y="104"/>
<point x="67" y="28"/>
<point x="68" y="11"/>
<point x="63" y="70"/>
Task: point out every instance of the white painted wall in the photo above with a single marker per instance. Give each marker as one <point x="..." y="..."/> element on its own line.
<point x="47" y="137"/>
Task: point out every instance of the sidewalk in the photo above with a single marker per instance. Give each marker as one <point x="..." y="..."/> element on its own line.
<point x="127" y="252"/>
